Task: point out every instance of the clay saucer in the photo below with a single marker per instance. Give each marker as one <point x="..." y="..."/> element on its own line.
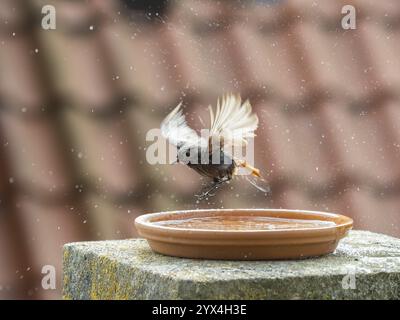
<point x="243" y="234"/>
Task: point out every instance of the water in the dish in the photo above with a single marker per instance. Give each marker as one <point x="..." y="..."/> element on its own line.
<point x="243" y="223"/>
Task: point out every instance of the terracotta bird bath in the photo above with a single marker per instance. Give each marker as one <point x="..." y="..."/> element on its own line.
<point x="243" y="234"/>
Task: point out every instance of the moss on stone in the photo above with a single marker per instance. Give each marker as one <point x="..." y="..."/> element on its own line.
<point x="129" y="269"/>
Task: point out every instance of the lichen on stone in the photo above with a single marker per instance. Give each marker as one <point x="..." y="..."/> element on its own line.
<point x="129" y="269"/>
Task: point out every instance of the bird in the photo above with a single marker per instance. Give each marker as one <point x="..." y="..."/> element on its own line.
<point x="209" y="154"/>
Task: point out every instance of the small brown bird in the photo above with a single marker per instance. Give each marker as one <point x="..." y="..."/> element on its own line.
<point x="232" y="123"/>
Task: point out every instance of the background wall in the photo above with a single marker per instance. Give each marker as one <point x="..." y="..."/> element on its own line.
<point x="76" y="103"/>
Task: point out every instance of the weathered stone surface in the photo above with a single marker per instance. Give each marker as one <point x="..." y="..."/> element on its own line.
<point x="128" y="269"/>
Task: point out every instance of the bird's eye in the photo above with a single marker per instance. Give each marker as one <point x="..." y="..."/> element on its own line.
<point x="187" y="153"/>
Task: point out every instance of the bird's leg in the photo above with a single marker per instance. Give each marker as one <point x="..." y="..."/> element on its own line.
<point x="208" y="189"/>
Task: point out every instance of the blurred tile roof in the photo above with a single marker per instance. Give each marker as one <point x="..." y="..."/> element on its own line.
<point x="76" y="103"/>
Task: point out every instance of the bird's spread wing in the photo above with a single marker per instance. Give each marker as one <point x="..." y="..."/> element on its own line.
<point x="233" y="121"/>
<point x="175" y="129"/>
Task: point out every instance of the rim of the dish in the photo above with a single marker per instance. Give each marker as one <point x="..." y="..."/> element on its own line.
<point x="145" y="222"/>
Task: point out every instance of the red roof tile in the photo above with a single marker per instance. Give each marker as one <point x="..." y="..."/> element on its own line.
<point x="22" y="86"/>
<point x="375" y="212"/>
<point x="384" y="11"/>
<point x="391" y="109"/>
<point x="15" y="275"/>
<point x="81" y="71"/>
<point x="62" y="223"/>
<point x="109" y="166"/>
<point x="296" y="145"/>
<point x="198" y="35"/>
<point x="37" y="159"/>
<point x="324" y="12"/>
<point x="299" y="198"/>
<point x="268" y="61"/>
<point x="333" y="59"/>
<point x="73" y="17"/>
<point x="383" y="50"/>
<point x="4" y="174"/>
<point x="102" y="150"/>
<point x="364" y="150"/>
<point x="111" y="220"/>
<point x="13" y="16"/>
<point x="144" y="64"/>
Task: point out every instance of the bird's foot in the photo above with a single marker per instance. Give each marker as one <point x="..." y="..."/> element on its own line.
<point x="207" y="191"/>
